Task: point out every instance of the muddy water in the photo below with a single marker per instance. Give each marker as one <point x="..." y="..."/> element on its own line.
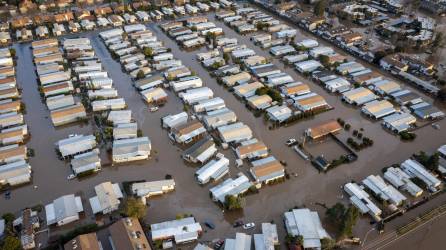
<point x="306" y="189"/>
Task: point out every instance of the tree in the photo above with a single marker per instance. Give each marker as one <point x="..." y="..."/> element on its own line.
<point x="319" y="8"/>
<point x="438" y="41"/>
<point x="148" y="52"/>
<point x="11" y="243"/>
<point x="8" y="217"/>
<point x="300" y="240"/>
<point x="349" y="221"/>
<point x="140" y="74"/>
<point x="233" y="202"/>
<point x="336" y="213"/>
<point x="431" y="162"/>
<point x="325" y="60"/>
<point x="441" y="95"/>
<point x="134" y="208"/>
<point x="227" y="57"/>
<point x="328" y="243"/>
<point x="13" y="52"/>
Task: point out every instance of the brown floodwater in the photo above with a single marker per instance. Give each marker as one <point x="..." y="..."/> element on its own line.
<point x="309" y="187"/>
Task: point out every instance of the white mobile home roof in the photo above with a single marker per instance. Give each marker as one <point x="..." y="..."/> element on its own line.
<point x="399" y="122"/>
<point x="132" y="149"/>
<point x="307" y="224"/>
<point x="316" y="52"/>
<point x="415" y="169"/>
<point x="76" y="144"/>
<point x="63" y="210"/>
<point x="361" y="200"/>
<point x="220" y="117"/>
<point x="191" y="96"/>
<point x="102" y="93"/>
<point x="109" y="104"/>
<point x="401" y="180"/>
<point x="213" y="170"/>
<point x="242" y="241"/>
<point x="230" y="186"/>
<point x="187" y="82"/>
<point x="279" y="113"/>
<point x="378" y="109"/>
<point x="209" y="105"/>
<point x="387" y="192"/>
<point x="59" y="101"/>
<point x="119" y="116"/>
<point x="236" y="132"/>
<point x="177" y="229"/>
<point x="125" y="131"/>
<point x="152" y="187"/>
<point x="308" y="43"/>
<point x="171" y="121"/>
<point x="15" y="173"/>
<point x="307" y="66"/>
<point x="86" y="162"/>
<point x="359" y="96"/>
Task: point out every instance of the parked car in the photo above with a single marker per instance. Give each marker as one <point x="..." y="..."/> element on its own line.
<point x="238" y="223"/>
<point x="249" y="225"/>
<point x="153" y="109"/>
<point x="290" y="142"/>
<point x="71" y="176"/>
<point x="209" y="224"/>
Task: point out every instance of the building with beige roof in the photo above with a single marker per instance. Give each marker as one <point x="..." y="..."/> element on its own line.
<point x="378" y="109"/>
<point x="83" y="242"/>
<point x="267" y="170"/>
<point x="251" y="149"/>
<point x="309" y="102"/>
<point x="12" y="153"/>
<point x="9" y="105"/>
<point x="68" y="114"/>
<point x="248" y="89"/>
<point x="358" y="96"/>
<point x="259" y="102"/>
<point x="322" y="130"/>
<point x="127" y="233"/>
<point x="107" y="198"/>
<point x="188" y="132"/>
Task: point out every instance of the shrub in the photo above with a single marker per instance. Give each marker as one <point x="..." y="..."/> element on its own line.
<point x="347" y="126"/>
<point x="407" y="136"/>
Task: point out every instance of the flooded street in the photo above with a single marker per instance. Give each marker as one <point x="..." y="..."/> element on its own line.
<point x="309" y="187"/>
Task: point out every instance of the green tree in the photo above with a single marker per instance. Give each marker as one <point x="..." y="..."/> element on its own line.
<point x="441" y="95"/>
<point x="12" y="51"/>
<point x="148" y="52"/>
<point x="300" y="240"/>
<point x="431" y="162"/>
<point x="349" y="221"/>
<point x="140" y="74"/>
<point x="319" y="8"/>
<point x="134" y="208"/>
<point x="325" y="60"/>
<point x="328" y="244"/>
<point x="227" y="57"/>
<point x="8" y="217"/>
<point x="233" y="202"/>
<point x="11" y="243"/>
<point x="335" y="214"/>
<point x="438" y="41"/>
